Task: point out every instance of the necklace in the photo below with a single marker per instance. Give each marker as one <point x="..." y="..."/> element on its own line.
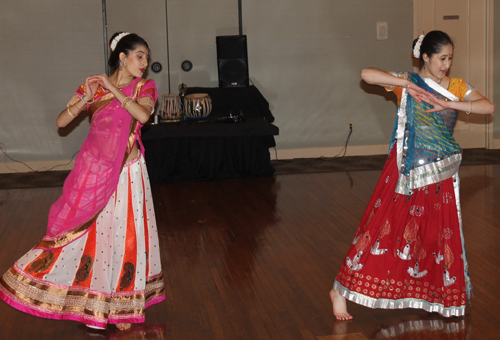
<point x="123" y="85"/>
<point x="120" y="86"/>
<point x="439" y="82"/>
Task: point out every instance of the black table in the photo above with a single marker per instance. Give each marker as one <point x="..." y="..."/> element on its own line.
<point x="206" y="150"/>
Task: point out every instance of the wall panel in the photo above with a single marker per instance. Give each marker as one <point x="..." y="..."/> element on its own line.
<point x="306" y="58"/>
<point x="147" y="19"/>
<point x="48" y="48"/>
<point x="193" y="26"/>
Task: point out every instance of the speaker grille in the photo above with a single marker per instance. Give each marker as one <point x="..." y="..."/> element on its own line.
<point x="233" y="72"/>
<point x="232" y="61"/>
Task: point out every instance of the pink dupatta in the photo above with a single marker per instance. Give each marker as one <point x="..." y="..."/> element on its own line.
<point x="94" y="178"/>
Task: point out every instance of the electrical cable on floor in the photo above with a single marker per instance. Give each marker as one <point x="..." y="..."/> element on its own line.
<point x="343" y="149"/>
<point x="346" y="142"/>
<point x="336" y="156"/>
<point x="71" y="160"/>
<point x="2" y="146"/>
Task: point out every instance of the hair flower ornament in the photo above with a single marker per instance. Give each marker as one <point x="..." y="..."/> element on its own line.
<point x="117" y="39"/>
<point x="416" y="49"/>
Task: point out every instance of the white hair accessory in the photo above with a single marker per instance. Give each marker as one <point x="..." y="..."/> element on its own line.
<point x="115" y="41"/>
<point x="416" y="49"/>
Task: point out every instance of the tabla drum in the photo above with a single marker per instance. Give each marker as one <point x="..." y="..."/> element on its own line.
<point x="170" y="110"/>
<point x="197" y="106"/>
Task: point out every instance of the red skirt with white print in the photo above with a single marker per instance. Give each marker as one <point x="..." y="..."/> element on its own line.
<point x="408" y="251"/>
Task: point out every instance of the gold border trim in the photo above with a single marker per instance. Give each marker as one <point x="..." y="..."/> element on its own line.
<point x="70" y="236"/>
<point x="47" y="299"/>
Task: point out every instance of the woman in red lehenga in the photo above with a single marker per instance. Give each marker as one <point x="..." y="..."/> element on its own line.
<point x="99" y="262"/>
<point x="409" y="250"/>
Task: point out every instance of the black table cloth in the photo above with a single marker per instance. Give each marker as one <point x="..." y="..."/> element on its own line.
<point x="231" y="100"/>
<point x="211" y="149"/>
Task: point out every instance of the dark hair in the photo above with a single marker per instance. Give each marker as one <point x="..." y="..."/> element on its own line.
<point x="126" y="44"/>
<point x="433" y="43"/>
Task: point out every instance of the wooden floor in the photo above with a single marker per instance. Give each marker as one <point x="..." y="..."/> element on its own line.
<point x="255" y="259"/>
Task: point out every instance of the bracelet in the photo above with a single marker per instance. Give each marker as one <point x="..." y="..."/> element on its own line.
<point x="88" y="103"/>
<point x="128" y="104"/>
<point x="470" y="109"/>
<point x="84" y="106"/>
<point x="71" y="112"/>
<point x="125" y="101"/>
<point x="408" y="86"/>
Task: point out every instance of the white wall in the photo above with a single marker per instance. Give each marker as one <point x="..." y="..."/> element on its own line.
<point x="304" y="56"/>
<point x="147" y="19"/>
<point x="45" y="57"/>
<point x="192" y="28"/>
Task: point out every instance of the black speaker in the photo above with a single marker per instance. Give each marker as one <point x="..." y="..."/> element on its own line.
<point x="232" y="59"/>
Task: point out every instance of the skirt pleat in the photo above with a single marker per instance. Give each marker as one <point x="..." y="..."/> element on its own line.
<point x="408" y="251"/>
<point x="107" y="276"/>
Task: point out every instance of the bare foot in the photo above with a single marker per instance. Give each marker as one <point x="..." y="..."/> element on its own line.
<point x="123" y="326"/>
<point x="339" y="306"/>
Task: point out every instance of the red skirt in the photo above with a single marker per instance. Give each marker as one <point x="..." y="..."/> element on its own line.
<point x="408" y="251"/>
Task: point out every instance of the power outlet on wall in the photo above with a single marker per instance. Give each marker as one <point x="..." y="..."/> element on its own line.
<point x="382" y="31"/>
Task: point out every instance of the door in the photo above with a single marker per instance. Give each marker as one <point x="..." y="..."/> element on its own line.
<point x="469" y="24"/>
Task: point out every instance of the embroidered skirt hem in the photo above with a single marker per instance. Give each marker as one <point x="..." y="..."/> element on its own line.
<point x="49" y="301"/>
<point x="370" y="302"/>
<point x="409" y="250"/>
<point x="110" y="274"/>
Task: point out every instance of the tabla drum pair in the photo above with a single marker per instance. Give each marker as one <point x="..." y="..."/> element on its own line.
<point x="197" y="106"/>
<point x="170" y="110"/>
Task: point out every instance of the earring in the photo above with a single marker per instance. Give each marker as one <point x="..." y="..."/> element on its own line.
<point x="122" y="64"/>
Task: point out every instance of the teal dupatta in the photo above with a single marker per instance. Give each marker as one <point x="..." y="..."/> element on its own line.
<point x="426" y="150"/>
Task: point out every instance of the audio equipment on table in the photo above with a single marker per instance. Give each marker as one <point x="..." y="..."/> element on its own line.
<point x="232" y="61"/>
<point x="232" y="118"/>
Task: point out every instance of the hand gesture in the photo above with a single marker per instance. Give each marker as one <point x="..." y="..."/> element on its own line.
<point x="103" y="80"/>
<point x="416" y="92"/>
<point x="438" y="104"/>
<point x="90" y="89"/>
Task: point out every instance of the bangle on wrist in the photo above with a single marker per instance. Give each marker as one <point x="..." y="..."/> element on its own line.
<point x="71" y="112"/>
<point x="87" y="103"/>
<point x="84" y="106"/>
<point x="408" y="86"/>
<point x="470" y="108"/>
<point x="128" y="104"/>
<point x="125" y="101"/>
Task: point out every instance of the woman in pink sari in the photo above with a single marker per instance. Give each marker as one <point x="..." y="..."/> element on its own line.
<point x="99" y="262"/>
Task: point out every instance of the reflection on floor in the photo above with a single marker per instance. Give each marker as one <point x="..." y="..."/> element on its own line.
<point x="256" y="258"/>
<point x="357" y="336"/>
